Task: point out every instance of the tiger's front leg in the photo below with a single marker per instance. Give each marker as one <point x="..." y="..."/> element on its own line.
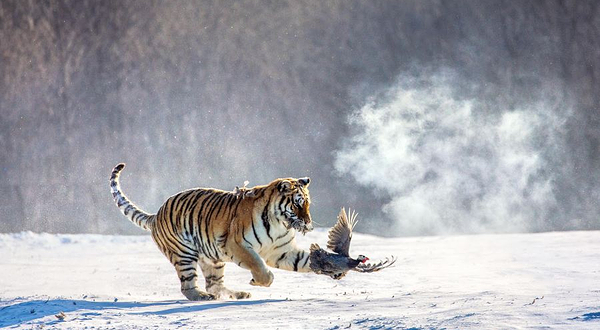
<point x="292" y="259"/>
<point x="247" y="258"/>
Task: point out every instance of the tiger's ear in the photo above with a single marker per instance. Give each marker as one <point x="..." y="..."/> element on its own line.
<point x="284" y="185"/>
<point x="304" y="181"/>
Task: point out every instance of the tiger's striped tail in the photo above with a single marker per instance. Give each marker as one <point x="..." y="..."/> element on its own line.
<point x="130" y="210"/>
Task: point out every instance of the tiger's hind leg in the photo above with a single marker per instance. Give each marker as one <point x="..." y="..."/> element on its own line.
<point x="184" y="257"/>
<point x="213" y="274"/>
<point x="188" y="275"/>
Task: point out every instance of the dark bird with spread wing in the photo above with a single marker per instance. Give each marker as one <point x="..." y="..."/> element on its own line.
<point x="337" y="264"/>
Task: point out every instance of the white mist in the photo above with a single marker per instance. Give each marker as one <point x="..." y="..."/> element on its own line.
<point x="446" y="165"/>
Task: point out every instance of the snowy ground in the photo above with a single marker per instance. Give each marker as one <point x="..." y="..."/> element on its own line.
<point x="533" y="281"/>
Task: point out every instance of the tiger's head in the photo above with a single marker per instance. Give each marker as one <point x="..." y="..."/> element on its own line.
<point x="294" y="203"/>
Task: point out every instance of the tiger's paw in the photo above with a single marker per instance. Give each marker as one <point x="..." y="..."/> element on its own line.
<point x="262" y="279"/>
<point x="226" y="293"/>
<point x="253" y="282"/>
<point x="194" y="294"/>
<point x="240" y="295"/>
<point x="265" y="283"/>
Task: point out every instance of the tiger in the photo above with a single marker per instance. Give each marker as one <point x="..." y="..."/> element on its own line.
<point x="252" y="227"/>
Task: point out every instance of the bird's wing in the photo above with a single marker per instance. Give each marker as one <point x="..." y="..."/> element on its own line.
<point x="340" y="235"/>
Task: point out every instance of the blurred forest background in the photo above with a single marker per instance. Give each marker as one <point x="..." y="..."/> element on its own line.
<point x="212" y="93"/>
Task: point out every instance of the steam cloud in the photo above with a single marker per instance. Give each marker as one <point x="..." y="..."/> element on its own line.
<point x="448" y="165"/>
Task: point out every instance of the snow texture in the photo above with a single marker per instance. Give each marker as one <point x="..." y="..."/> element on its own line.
<point x="511" y="281"/>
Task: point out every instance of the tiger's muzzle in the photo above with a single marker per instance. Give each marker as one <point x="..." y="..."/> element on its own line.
<point x="295" y="222"/>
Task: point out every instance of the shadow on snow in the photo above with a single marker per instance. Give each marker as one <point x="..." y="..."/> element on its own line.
<point x="192" y="307"/>
<point x="35" y="309"/>
<point x="588" y="317"/>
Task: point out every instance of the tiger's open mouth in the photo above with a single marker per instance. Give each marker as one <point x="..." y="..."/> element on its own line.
<point x="293" y="221"/>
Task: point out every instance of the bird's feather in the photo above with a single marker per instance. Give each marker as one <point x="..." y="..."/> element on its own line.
<point x="340" y="235"/>
<point x="371" y="268"/>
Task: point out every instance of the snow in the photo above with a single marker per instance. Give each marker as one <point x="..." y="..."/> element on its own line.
<point x="533" y="281"/>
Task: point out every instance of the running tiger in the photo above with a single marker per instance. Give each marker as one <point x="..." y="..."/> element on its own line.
<point x="252" y="227"/>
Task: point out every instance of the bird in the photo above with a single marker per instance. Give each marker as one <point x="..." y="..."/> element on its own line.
<point x="332" y="264"/>
<point x="338" y="263"/>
